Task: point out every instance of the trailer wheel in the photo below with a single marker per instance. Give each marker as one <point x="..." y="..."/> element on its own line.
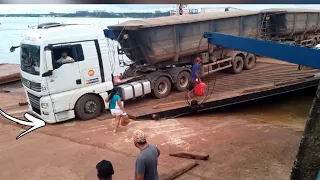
<point x="88" y="107"/>
<point x="162" y="87"/>
<point x="237" y="65"/>
<point x="182" y="81"/>
<point x="249" y="62"/>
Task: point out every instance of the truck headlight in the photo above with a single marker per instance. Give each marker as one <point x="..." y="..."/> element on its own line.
<point x="44" y="105"/>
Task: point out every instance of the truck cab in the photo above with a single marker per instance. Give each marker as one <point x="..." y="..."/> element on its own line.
<point x="55" y="91"/>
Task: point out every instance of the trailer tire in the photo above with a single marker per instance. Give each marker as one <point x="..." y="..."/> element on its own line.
<point x="249" y="62"/>
<point x="237" y="65"/>
<point x="162" y="87"/>
<point x="182" y="81"/>
<point x="88" y="107"/>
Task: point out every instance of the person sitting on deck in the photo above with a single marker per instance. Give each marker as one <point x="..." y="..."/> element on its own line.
<point x="104" y="170"/>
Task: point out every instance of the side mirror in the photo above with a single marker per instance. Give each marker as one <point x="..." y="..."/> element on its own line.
<point x="48" y="73"/>
<point x="48" y="54"/>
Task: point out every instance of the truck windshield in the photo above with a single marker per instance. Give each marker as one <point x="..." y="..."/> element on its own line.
<point x="30" y="59"/>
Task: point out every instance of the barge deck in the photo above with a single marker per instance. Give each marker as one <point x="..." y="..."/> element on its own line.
<point x="269" y="77"/>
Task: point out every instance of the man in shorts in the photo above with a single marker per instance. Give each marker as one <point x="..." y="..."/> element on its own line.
<point x="195" y="75"/>
<point x="147" y="161"/>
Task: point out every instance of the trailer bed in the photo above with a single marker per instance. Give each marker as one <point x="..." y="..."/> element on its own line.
<point x="269" y="77"/>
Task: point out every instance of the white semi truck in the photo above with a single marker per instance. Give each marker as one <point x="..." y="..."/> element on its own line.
<point x="58" y="92"/>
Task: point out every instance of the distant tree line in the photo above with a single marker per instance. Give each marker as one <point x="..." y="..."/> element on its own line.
<point x="95" y="14"/>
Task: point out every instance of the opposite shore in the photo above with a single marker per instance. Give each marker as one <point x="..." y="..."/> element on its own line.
<point x="88" y="14"/>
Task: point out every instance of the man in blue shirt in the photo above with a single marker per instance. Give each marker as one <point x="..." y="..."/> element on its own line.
<point x="195" y="74"/>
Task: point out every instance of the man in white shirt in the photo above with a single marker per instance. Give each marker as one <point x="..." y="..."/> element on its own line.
<point x="65" y="58"/>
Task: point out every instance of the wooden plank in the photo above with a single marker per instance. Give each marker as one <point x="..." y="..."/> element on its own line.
<point x="178" y="170"/>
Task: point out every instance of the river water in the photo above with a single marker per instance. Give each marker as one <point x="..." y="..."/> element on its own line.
<point x="291" y="109"/>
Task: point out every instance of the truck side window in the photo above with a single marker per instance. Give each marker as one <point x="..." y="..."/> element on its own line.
<point x="74" y="51"/>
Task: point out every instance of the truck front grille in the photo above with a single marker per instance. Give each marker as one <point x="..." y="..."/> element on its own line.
<point x="32" y="85"/>
<point x="35" y="103"/>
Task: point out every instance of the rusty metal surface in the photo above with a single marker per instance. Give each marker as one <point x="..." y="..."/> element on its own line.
<point x="264" y="76"/>
<point x="9" y="73"/>
<point x="189" y="18"/>
<point x="297" y="23"/>
<point x="290" y="10"/>
<point x="164" y="43"/>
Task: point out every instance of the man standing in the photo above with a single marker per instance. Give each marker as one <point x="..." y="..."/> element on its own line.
<point x="65" y="58"/>
<point x="195" y="74"/>
<point x="104" y="170"/>
<point x="147" y="161"/>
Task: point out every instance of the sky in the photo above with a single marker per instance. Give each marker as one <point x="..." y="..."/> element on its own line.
<point x="66" y="8"/>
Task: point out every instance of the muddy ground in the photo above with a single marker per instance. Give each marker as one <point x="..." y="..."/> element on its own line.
<point x="239" y="148"/>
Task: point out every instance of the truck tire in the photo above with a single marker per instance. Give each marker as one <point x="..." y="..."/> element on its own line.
<point x="237" y="65"/>
<point x="182" y="81"/>
<point x="249" y="62"/>
<point x="88" y="107"/>
<point x="162" y="87"/>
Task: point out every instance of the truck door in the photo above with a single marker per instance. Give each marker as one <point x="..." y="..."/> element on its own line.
<point x="90" y="68"/>
<point x="65" y="77"/>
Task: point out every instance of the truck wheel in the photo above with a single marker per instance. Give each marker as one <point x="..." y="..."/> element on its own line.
<point x="182" y="81"/>
<point x="249" y="62"/>
<point x="162" y="87"/>
<point x="237" y="65"/>
<point x="88" y="107"/>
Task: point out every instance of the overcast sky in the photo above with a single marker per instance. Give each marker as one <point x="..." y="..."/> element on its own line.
<point x="65" y="8"/>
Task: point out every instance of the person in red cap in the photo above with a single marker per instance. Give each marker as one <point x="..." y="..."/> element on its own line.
<point x="195" y="77"/>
